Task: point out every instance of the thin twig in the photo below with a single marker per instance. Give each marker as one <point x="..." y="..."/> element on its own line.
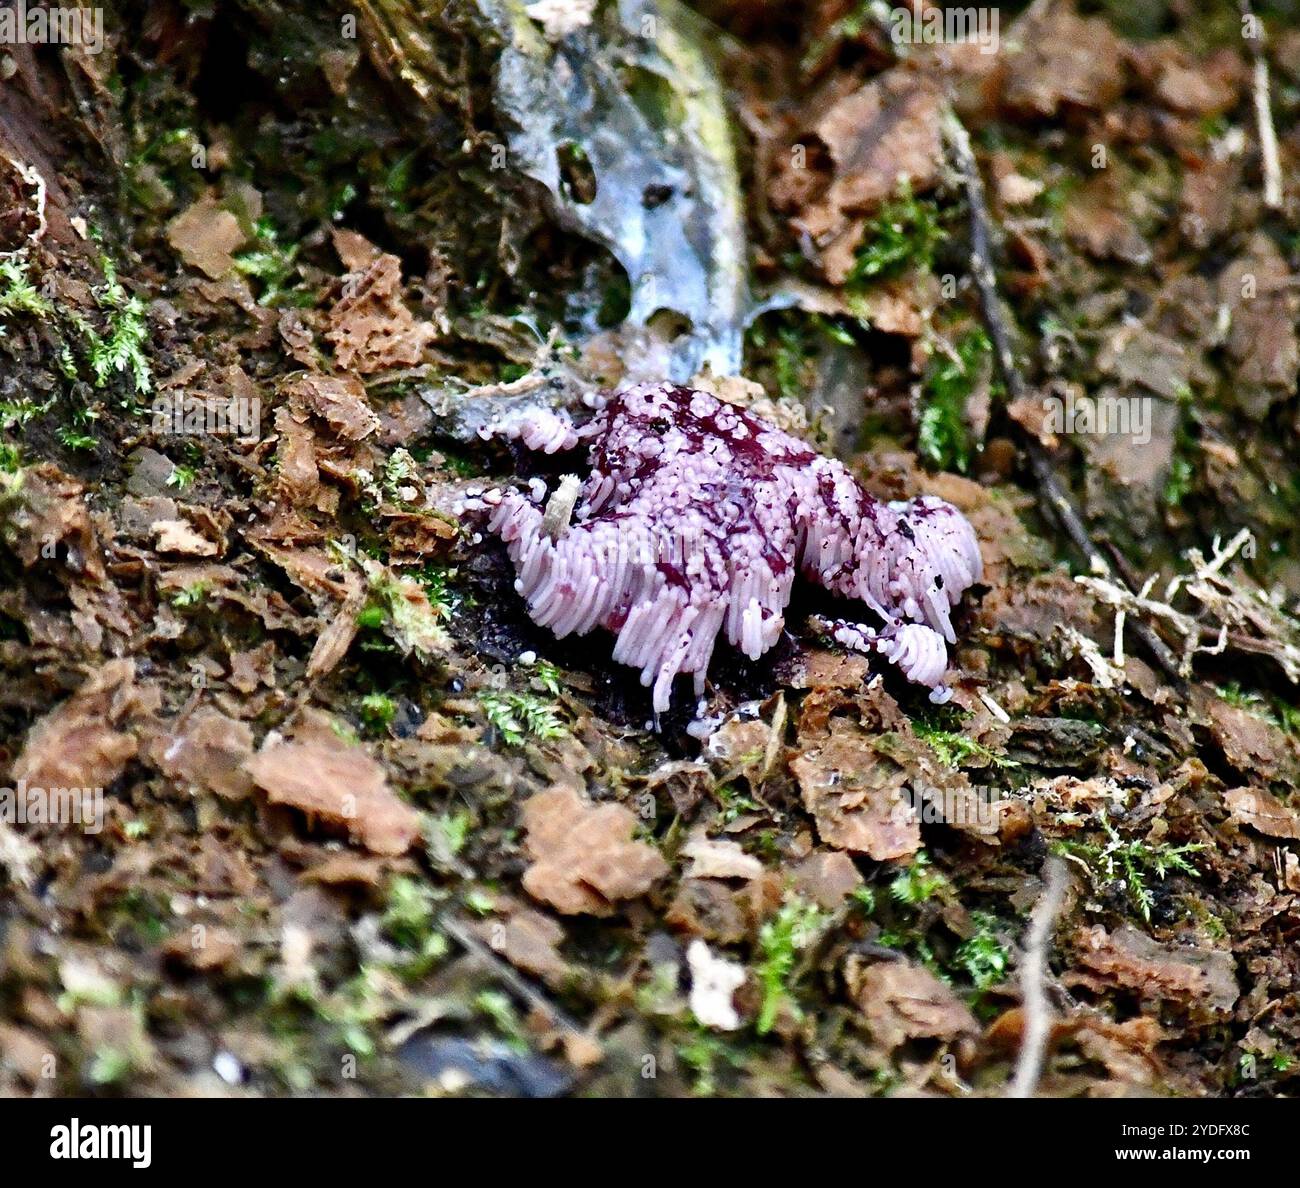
<point x="461" y="933"/>
<point x="1270" y="162"/>
<point x="1053" y="494"/>
<point x="1033" y="972"/>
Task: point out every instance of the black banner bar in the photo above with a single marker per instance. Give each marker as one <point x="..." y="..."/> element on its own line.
<point x="341" y="1137"/>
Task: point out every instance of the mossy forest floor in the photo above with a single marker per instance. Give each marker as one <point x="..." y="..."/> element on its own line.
<point x="366" y="830"/>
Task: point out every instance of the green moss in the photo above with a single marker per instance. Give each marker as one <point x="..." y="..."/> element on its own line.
<point x="943" y="437"/>
<point x="372" y="618"/>
<point x="497" y="1007"/>
<point x="955" y="749"/>
<point x="782" y="347"/>
<point x="181" y="477"/>
<point x="865" y="898"/>
<point x="517" y="716"/>
<point x="74" y="439"/>
<point x="902" y="237"/>
<point x="17" y="293"/>
<point x="916" y="882"/>
<point x="15" y="414"/>
<point x="1133" y="862"/>
<point x="118" y="348"/>
<point x="378" y="710"/>
<point x="121" y="348"/>
<point x="1057" y="198"/>
<point x="274" y="265"/>
<point x="861" y="16"/>
<point x="109" y="1066"/>
<point x="400" y="607"/>
<point x="409" y="921"/>
<point x="409" y="913"/>
<point x="548" y="677"/>
<point x="447" y="834"/>
<point x="983" y="958"/>
<point x="1180" y="482"/>
<point x="400" y="470"/>
<point x="705" y="1054"/>
<point x="791" y="352"/>
<point x="436" y="581"/>
<point x="460" y="465"/>
<point x="190" y="596"/>
<point x="732" y="803"/>
<point x="780" y="940"/>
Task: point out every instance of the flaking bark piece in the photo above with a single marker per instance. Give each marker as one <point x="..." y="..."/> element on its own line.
<point x="584" y="858"/>
<point x="370" y="327"/>
<point x="342" y="785"/>
<point x="902" y="1001"/>
<point x="86" y="742"/>
<point x="1201" y="981"/>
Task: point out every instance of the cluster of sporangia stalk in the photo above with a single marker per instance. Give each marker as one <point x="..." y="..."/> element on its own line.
<point x="695" y="519"/>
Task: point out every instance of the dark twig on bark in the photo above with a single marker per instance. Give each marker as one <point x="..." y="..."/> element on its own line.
<point x="1057" y="499"/>
<point x="463" y="935"/>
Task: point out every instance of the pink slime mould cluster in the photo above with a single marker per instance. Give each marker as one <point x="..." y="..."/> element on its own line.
<point x="695" y="520"/>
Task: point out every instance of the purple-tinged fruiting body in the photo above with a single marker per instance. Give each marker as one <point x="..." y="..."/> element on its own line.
<point x="697" y="517"/>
